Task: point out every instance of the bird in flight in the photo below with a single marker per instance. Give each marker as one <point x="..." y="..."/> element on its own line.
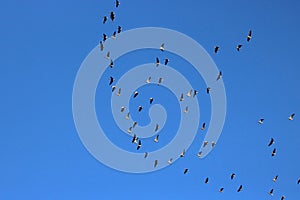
<point x="151" y="100"/>
<point x="166" y="61"/>
<point x="156" y="138"/>
<point x="203" y="126"/>
<point x="160" y="80"/>
<point x="113" y="88"/>
<point x="107" y="55"/>
<point x="182" y="153"/>
<point x="146" y="154"/>
<point x="206" y="180"/>
<point x="135" y="94"/>
<point x="111" y="64"/>
<point x="170" y="161"/>
<point x="119" y="92"/>
<point x="140" y="108"/>
<point x="104" y="19"/>
<point x="185" y="171"/>
<point x="122" y="109"/>
<point x="271" y="142"/>
<point x="199" y="154"/>
<point x="186" y="109"/>
<point x="162" y="47"/>
<point x="249" y="36"/>
<point x="148" y="80"/>
<point x="157" y="61"/>
<point x="111" y="80"/>
<point x="274" y="152"/>
<point x="112" y="16"/>
<point x="240" y="188"/>
<point x="221" y="189"/>
<point x="129" y="129"/>
<point x="291" y="117"/>
<point x="101" y="46"/>
<point x="298" y="182"/>
<point x="238" y="47"/>
<point x="275" y="178"/>
<point x="261" y="121"/>
<point x="155" y="163"/>
<point x="127" y="116"/>
<point x="181" y="97"/>
<point x="114" y="35"/>
<point x="117" y="3"/>
<point x="104" y="37"/>
<point x="208" y="90"/>
<point x="271" y="192"/>
<point x="219" y="76"/>
<point x="189" y="93"/>
<point x="217" y="49"/>
<point x="282" y="197"/>
<point x="205" y="143"/>
<point x="232" y="176"/>
<point x="156" y="128"/>
<point x="119" y="29"/>
<point x="139" y="145"/>
<point x="134" y="139"/>
<point x="195" y="93"/>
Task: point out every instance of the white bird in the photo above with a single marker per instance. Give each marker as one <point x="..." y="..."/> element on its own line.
<point x="127" y="116"/>
<point x="162" y="47"/>
<point x="156" y="138"/>
<point x="275" y="178"/>
<point x="189" y="93"/>
<point x="122" y="109"/>
<point x="199" y="154"/>
<point x="148" y="80"/>
<point x="291" y="117"/>
<point x="170" y="161"/>
<point x="119" y="92"/>
<point x="261" y="121"/>
<point x="129" y="129"/>
<point x="182" y="153"/>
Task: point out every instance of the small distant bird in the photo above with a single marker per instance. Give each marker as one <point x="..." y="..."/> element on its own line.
<point x="157" y="61"/>
<point x="122" y="109"/>
<point x="151" y="100"/>
<point x="162" y="47"/>
<point x="274" y="152"/>
<point x="181" y="97"/>
<point x="282" y="197"/>
<point x="114" y="35"/>
<point x="127" y="116"/>
<point x="104" y="19"/>
<point x="111" y="80"/>
<point x="113" y="88"/>
<point x="135" y="94"/>
<point x="206" y="180"/>
<point x="205" y="143"/>
<point x="232" y="176"/>
<point x="156" y="138"/>
<point x="240" y="188"/>
<point x="134" y="124"/>
<point x="155" y="163"/>
<point x="199" y="154"/>
<point x="238" y="47"/>
<point x="203" y="126"/>
<point x="166" y="61"/>
<point x="117" y="3"/>
<point x="208" y="90"/>
<point x="140" y="108"/>
<point x="182" y="153"/>
<point x="291" y="117"/>
<point x="134" y="139"/>
<point x="195" y="93"/>
<point x="275" y="178"/>
<point x="186" y="109"/>
<point x="219" y="76"/>
<point x="249" y="36"/>
<point x="119" y="92"/>
<point x="298" y="182"/>
<point x="170" y="161"/>
<point x="185" y="171"/>
<point x="112" y="16"/>
<point x="148" y="80"/>
<point x="129" y="130"/>
<point x="261" y="121"/>
<point x="146" y="154"/>
<point x="271" y="192"/>
<point x="139" y="145"/>
<point x="160" y="80"/>
<point x="156" y="128"/>
<point x="271" y="142"/>
<point x="107" y="55"/>
<point x="217" y="49"/>
<point x="189" y="93"/>
<point x="213" y="144"/>
<point x="101" y="46"/>
<point x="221" y="189"/>
<point x="111" y="64"/>
<point x="119" y="30"/>
<point x="104" y="37"/>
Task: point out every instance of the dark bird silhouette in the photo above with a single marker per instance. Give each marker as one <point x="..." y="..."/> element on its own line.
<point x="112" y="16"/>
<point x="111" y="80"/>
<point x="271" y="192"/>
<point x="232" y="176"/>
<point x="104" y="19"/>
<point x="140" y="108"/>
<point x="156" y="138"/>
<point x="282" y="197"/>
<point x="249" y="36"/>
<point x="217" y="49"/>
<point x="185" y="171"/>
<point x="208" y="90"/>
<point x="155" y="163"/>
<point x="203" y="126"/>
<point x="113" y="88"/>
<point x="162" y="47"/>
<point x="221" y="189"/>
<point x="166" y="61"/>
<point x="219" y="76"/>
<point x="298" y="182"/>
<point x="271" y="142"/>
<point x="275" y="178"/>
<point x="240" y="188"/>
<point x="291" y="117"/>
<point x="182" y="153"/>
<point x="139" y="145"/>
<point x="111" y="64"/>
<point x="238" y="47"/>
<point x="261" y="121"/>
<point x="135" y="94"/>
<point x="206" y="180"/>
<point x="274" y="152"/>
<point x="151" y="100"/>
<point x="119" y="29"/>
<point x="146" y="154"/>
<point x="195" y="93"/>
<point x="134" y="139"/>
<point x="117" y="3"/>
<point x="114" y="35"/>
<point x="101" y="46"/>
<point x="104" y="37"/>
<point x="157" y="61"/>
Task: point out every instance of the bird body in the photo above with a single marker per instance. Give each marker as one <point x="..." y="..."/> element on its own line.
<point x="291" y="117"/>
<point x="156" y="138"/>
<point x="240" y="188"/>
<point x="162" y="47"/>
<point x="185" y="171"/>
<point x="249" y="36"/>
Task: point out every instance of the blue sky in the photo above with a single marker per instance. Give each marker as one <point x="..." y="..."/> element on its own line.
<point x="43" y="44"/>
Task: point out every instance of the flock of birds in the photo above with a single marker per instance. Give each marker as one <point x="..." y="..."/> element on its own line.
<point x="190" y="93"/>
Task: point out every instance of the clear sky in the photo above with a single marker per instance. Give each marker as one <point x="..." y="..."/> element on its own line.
<point x="43" y="44"/>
